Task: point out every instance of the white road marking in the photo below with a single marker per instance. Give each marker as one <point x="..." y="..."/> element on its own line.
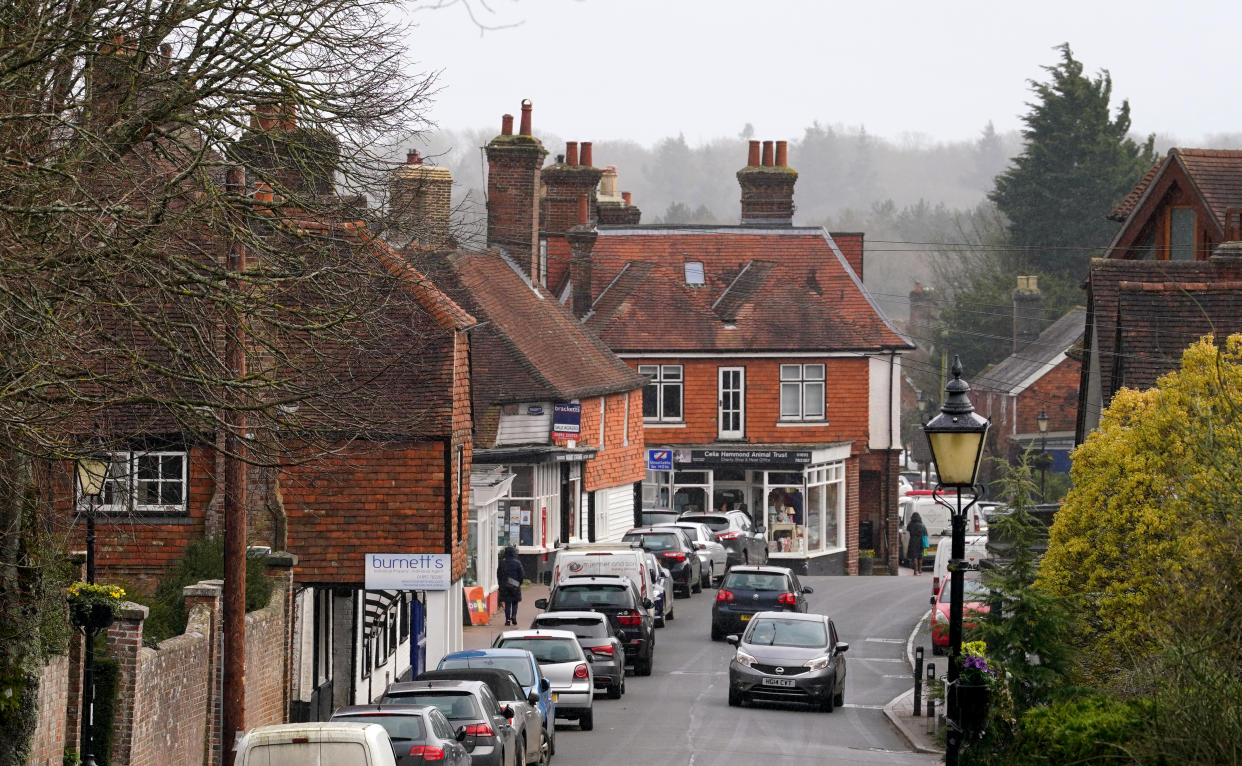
<point x="862" y="707"/>
<point x="886" y="640"/>
<point x="877" y="659"/>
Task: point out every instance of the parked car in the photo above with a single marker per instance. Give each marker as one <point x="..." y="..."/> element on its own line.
<point x="652" y="516"/>
<point x="419" y="733"/>
<point x="743" y="541"/>
<point x="748" y="590"/>
<point x="661" y="591"/>
<point x="616" y="560"/>
<point x="976" y="553"/>
<point x="616" y="597"/>
<point x="490" y="737"/>
<point x="974" y="603"/>
<point x="675" y="552"/>
<point x="524" y="667"/>
<point x="713" y="558"/>
<point x="599" y="641"/>
<point x="339" y="743"/>
<point x="534" y="745"/>
<point x="783" y="657"/>
<point x="563" y="662"/>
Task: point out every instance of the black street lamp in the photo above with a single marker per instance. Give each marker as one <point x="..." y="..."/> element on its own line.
<point x="1042" y="420"/>
<point x="91" y="472"/>
<point x="956" y="437"/>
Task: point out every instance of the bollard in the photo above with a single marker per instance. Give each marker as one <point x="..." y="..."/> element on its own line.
<point x="931" y="702"/>
<point x="918" y="681"/>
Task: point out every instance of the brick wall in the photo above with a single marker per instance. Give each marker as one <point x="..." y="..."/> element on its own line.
<point x="1056" y="393"/>
<point x="513" y="169"/>
<point x="616" y="463"/>
<point x="47" y="746"/>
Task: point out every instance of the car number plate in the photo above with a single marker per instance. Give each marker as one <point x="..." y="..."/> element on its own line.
<point x="744" y="617"/>
<point x="778" y="682"/>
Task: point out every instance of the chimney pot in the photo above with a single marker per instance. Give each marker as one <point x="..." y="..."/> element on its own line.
<point x="524" y="129"/>
<point x="412" y="157"/>
<point x="626" y="196"/>
<point x="752" y="159"/>
<point x="586" y="154"/>
<point x="506" y="125"/>
<point x="782" y="153"/>
<point x="571" y="153"/>
<point x="767" y="154"/>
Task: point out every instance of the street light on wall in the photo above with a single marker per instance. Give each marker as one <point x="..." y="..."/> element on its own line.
<point x="956" y="437"/>
<point x="1042" y="420"/>
<point x="92" y="473"/>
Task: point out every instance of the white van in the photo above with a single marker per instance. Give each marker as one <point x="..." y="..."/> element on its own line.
<point x="936" y="518"/>
<point x="324" y="743"/>
<point x="606" y="559"/>
<point x="976" y="551"/>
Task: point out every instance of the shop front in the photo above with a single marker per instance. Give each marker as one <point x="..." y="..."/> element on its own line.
<point x="797" y="494"/>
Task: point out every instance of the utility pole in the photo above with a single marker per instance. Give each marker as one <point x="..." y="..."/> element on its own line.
<point x="234" y="501"/>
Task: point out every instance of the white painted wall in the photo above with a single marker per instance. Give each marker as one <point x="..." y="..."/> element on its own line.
<point x="884" y="402"/>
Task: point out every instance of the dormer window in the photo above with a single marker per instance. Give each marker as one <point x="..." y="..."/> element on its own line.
<point x="694" y="274"/>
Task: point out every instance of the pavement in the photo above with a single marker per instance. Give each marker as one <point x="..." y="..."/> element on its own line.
<point x="899" y="710"/>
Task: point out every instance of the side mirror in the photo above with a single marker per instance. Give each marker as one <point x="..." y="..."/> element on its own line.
<point x="648" y="603"/>
<point x="461" y="733"/>
<point x="698" y="545"/>
<point x="841" y="647"/>
<point x="533" y="697"/>
<point x="544" y="684"/>
<point x="508" y="711"/>
<point x="541" y="603"/>
<point x="733" y="639"/>
<point x="807" y="589"/>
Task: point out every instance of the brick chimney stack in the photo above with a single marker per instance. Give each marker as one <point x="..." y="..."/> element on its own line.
<point x="420" y="201"/>
<point x="613" y="207"/>
<point x="767" y="184"/>
<point x="565" y="183"/>
<point x="294" y="159"/>
<point x="924" y="315"/>
<point x="581" y="242"/>
<point x="1026" y="312"/>
<point x="513" y="170"/>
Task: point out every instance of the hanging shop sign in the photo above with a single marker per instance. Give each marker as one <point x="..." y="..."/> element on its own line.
<point x="566" y="420"/>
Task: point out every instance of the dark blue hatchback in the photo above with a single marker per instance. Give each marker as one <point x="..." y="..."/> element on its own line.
<point x="750" y="589"/>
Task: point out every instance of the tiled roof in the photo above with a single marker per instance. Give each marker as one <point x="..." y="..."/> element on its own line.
<point x="766" y="289"/>
<point x="527" y="347"/>
<point x="1037" y="357"/>
<point x="1216" y="175"/>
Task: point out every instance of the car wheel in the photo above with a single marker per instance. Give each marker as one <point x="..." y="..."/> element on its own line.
<point x="586" y="721"/>
<point x="545" y="750"/>
<point x="839" y="699"/>
<point x="827" y="704"/>
<point x="659" y="621"/>
<point x="616" y="689"/>
<point x="668" y="613"/>
<point x="698" y="585"/>
<point x="717" y="633"/>
<point x="735" y="697"/>
<point x="550" y="733"/>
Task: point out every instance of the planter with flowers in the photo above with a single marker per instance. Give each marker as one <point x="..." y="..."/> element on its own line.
<point x="93" y="606"/>
<point x="974" y="686"/>
<point x="866" y="561"/>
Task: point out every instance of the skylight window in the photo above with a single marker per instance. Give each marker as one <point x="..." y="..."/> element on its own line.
<point x="694" y="273"/>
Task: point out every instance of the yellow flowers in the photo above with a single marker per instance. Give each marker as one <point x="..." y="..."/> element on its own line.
<point x="974" y="649"/>
<point x="81" y="591"/>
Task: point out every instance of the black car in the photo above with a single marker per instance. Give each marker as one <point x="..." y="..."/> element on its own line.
<point x="490" y="737"/>
<point x="675" y="552"/>
<point x="747" y="590"/>
<point x="419" y="733"/>
<point x="785" y="657"/>
<point x="618" y="598"/>
<point x="743" y="541"/>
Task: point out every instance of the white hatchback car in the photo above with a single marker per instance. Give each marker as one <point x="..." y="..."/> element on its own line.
<point x="712" y="555"/>
<point x="564" y="664"/>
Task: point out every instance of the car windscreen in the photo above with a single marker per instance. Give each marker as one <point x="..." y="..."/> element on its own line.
<point x="572" y="597"/>
<point x="519" y="666"/>
<point x="693" y="533"/>
<point x="399" y="727"/>
<point x="775" y="632"/>
<point x="755" y="581"/>
<point x="654" y="541"/>
<point x="715" y="523"/>
<point x="455" y="705"/>
<point x="582" y="627"/>
<point x="546" y="650"/>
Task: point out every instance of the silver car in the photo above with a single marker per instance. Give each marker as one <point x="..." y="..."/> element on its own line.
<point x="712" y="555"/>
<point x="564" y="664"/>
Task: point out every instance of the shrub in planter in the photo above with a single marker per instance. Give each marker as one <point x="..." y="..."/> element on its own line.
<point x="93" y="605"/>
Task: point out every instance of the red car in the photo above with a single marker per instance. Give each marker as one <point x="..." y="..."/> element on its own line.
<point x="974" y="602"/>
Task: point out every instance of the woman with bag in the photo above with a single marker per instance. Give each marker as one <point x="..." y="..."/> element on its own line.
<point x="510" y="575"/>
<point x="918" y="541"/>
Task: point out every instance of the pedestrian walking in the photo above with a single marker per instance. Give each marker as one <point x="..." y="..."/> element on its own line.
<point x="510" y="575"/>
<point x="918" y="542"/>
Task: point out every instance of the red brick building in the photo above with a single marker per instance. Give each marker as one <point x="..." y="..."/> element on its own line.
<point x="773" y="376"/>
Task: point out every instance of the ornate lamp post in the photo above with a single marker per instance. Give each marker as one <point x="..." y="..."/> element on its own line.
<point x="1042" y="420"/>
<point x="956" y="437"/>
<point x="92" y="472"/>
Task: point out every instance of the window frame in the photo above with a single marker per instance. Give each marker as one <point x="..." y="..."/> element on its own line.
<point x="660" y="382"/>
<point x="121" y="493"/>
<point x="801" y="384"/>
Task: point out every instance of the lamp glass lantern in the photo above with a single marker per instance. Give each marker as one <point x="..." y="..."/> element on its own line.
<point x="957" y="434"/>
<point x="92" y="473"/>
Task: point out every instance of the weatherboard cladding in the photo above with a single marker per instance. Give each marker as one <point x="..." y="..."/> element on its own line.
<point x="766" y="290"/>
<point x="1012" y="372"/>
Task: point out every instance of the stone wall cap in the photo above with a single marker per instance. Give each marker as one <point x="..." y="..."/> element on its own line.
<point x="132" y="611"/>
<point x="203" y="589"/>
<point x="282" y="559"/>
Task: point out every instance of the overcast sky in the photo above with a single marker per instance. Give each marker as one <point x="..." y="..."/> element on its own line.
<point x="646" y="69"/>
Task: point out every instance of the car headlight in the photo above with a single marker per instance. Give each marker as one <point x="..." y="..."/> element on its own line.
<point x="819" y="663"/>
<point x="744" y="659"/>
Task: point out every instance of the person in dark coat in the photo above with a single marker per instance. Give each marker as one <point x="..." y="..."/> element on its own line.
<point x="914" y="549"/>
<point x="510" y="575"/>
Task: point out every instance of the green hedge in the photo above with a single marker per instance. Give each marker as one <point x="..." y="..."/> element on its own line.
<point x="1088" y="729"/>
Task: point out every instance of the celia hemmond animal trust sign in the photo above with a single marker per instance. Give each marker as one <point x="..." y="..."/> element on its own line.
<point x="408" y="571"/>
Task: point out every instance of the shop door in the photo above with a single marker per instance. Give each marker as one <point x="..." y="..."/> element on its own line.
<point x="731" y="405"/>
